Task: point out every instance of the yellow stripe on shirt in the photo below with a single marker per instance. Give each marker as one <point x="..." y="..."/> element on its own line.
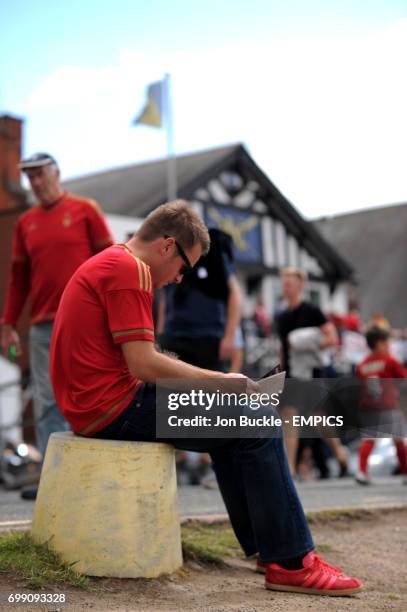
<point x="126" y="332"/>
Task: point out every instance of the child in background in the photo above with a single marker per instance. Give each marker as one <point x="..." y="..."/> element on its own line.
<point x="379" y="401"/>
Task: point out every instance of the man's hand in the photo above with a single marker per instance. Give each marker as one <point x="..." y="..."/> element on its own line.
<point x="251" y="385"/>
<point x="10" y="337"/>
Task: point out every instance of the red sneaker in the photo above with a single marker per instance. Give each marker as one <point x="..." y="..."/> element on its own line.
<point x="261" y="567"/>
<point x="317" y="578"/>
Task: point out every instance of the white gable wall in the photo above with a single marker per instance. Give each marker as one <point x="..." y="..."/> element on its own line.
<point x="280" y="248"/>
<point x="121" y="226"/>
<point x="340" y="299"/>
<point x="269" y="257"/>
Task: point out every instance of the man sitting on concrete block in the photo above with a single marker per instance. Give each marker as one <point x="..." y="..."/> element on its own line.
<point x="104" y="367"/>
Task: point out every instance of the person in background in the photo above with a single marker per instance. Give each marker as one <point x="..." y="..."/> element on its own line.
<point x="379" y="402"/>
<point x="262" y="320"/>
<point x="379" y="320"/>
<point x="352" y="320"/>
<point x="347" y="322"/>
<point x="302" y="314"/>
<point x="237" y="358"/>
<point x="51" y="240"/>
<point x="235" y="365"/>
<point x="198" y="322"/>
<point x="199" y="318"/>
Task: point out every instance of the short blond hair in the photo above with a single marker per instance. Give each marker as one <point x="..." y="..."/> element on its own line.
<point x="293" y="271"/>
<point x="177" y="219"/>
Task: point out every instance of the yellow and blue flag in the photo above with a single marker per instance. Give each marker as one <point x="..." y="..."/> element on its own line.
<point x="152" y="113"/>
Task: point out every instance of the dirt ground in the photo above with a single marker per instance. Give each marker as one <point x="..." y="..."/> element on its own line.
<point x="372" y="546"/>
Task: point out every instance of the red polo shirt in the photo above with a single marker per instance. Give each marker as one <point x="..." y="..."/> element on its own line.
<point x="107" y="301"/>
<point x="386" y="368"/>
<point x="49" y="244"/>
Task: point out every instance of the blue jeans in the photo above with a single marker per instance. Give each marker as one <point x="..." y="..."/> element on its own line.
<point x="48" y="417"/>
<point x="253" y="476"/>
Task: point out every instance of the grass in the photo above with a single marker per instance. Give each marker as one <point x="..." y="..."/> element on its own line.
<point x="35" y="564"/>
<point x="340" y="514"/>
<point x="209" y="543"/>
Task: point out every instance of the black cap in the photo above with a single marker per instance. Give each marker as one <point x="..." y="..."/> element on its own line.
<point x="37" y="161"/>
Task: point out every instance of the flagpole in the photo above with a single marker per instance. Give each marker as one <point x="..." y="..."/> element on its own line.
<point x="171" y="160"/>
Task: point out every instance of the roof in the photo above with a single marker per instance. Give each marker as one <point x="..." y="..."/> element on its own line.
<point x="136" y="190"/>
<point x="375" y="242"/>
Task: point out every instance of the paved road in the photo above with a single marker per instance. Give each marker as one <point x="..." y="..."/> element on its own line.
<point x="197" y="501"/>
<point x="318" y="495"/>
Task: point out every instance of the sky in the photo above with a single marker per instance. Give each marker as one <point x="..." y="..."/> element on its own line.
<point x="315" y="90"/>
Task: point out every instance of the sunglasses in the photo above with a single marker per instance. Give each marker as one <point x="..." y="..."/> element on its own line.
<point x="187" y="268"/>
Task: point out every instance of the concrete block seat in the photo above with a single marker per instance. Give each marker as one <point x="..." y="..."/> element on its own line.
<point x="110" y="506"/>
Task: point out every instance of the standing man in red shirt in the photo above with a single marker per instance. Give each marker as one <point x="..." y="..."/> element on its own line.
<point x="51" y="240"/>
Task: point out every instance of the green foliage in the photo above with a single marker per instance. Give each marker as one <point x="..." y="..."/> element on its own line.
<point x="209" y="543"/>
<point x="36" y="564"/>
